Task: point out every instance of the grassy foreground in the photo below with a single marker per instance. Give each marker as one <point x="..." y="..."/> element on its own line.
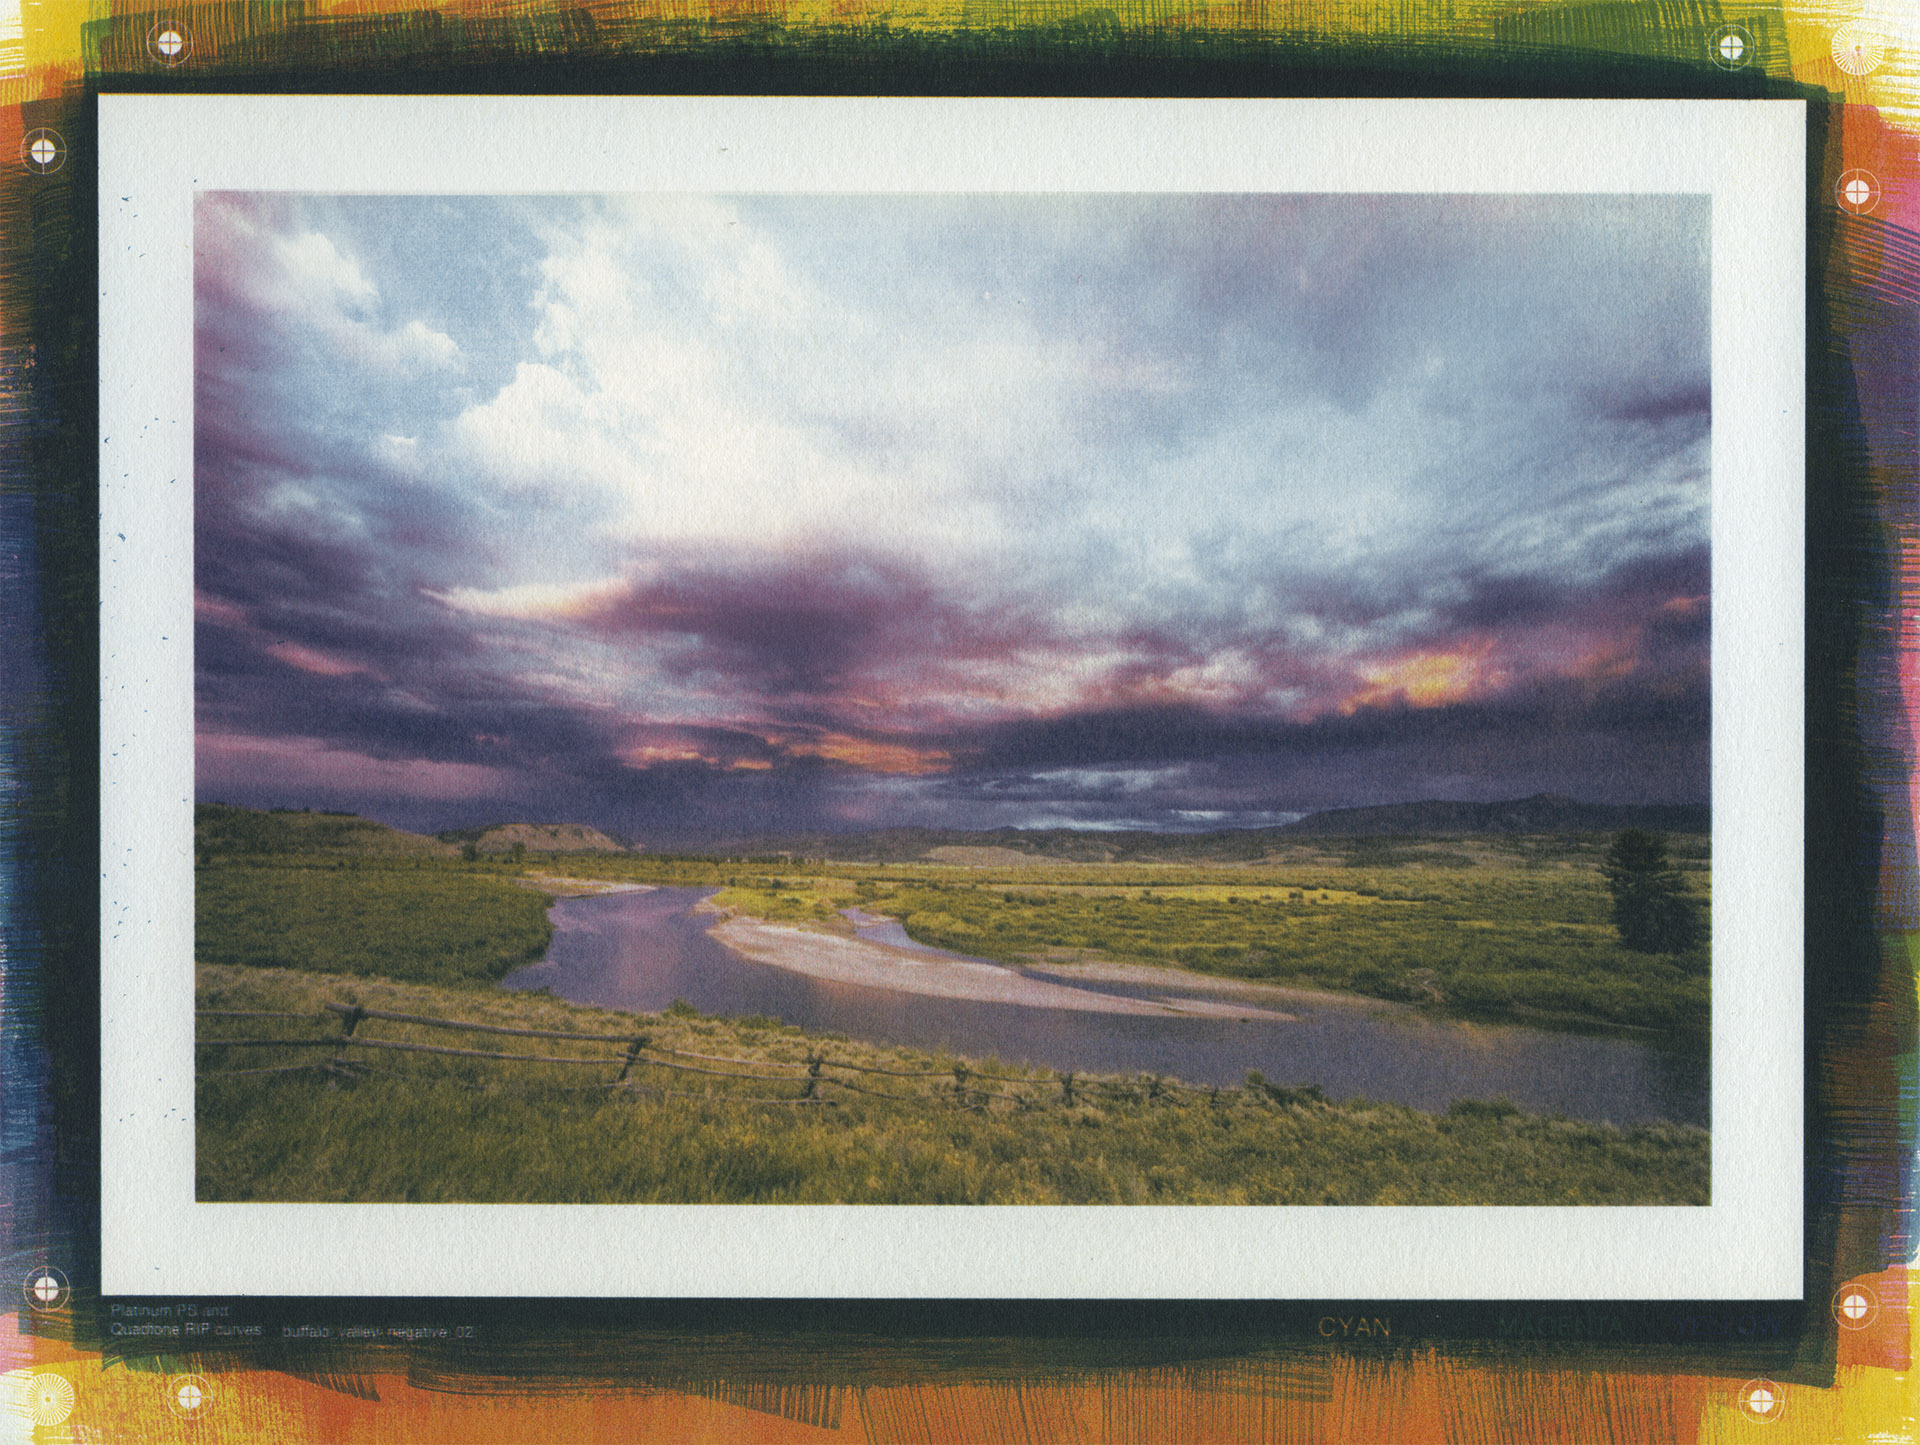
<point x="420" y="1127"/>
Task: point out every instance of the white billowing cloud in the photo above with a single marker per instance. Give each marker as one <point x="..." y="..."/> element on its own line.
<point x="314" y="273"/>
<point x="418" y="344"/>
<point x="715" y="375"/>
<point x="691" y="389"/>
<point x="313" y="289"/>
<point x="536" y="601"/>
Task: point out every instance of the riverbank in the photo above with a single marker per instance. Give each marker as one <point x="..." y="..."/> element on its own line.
<point x="933" y="1129"/>
<point x="857" y="974"/>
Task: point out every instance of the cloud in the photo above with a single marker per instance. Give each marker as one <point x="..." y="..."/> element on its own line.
<point x="859" y="508"/>
<point x="239" y="765"/>
<point x="299" y="288"/>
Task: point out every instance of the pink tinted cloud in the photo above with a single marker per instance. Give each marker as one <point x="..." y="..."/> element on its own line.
<point x="749" y="662"/>
<point x="309" y="659"/>
<point x="300" y="764"/>
<point x="212" y="609"/>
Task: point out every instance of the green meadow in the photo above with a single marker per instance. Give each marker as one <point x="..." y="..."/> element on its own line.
<point x="298" y="911"/>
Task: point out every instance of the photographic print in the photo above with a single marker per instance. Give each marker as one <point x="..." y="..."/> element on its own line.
<point x="880" y="688"/>
<point x="1104" y="698"/>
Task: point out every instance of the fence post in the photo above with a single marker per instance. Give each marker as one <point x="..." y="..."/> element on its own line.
<point x="960" y="1083"/>
<point x="1066" y="1089"/>
<point x="349" y="1021"/>
<point x="633" y="1057"/>
<point x="813" y="1076"/>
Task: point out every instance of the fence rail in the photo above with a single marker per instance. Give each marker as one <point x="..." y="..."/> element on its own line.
<point x="965" y="1086"/>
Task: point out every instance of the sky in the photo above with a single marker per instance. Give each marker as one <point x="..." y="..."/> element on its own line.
<point x="699" y="517"/>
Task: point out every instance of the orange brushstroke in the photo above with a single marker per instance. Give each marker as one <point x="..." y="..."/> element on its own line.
<point x="1411" y="1395"/>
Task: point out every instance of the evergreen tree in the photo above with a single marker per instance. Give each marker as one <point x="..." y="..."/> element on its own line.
<point x="1651" y="905"/>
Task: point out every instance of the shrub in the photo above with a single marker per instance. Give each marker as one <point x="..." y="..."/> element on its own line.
<point x="1651" y="906"/>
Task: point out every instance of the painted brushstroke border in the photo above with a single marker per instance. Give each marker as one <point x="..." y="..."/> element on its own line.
<point x="882" y="1371"/>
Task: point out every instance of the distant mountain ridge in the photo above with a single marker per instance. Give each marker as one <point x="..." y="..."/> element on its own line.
<point x="222" y="829"/>
<point x="1542" y="813"/>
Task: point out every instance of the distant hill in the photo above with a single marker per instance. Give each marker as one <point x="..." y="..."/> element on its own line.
<point x="1542" y="813"/>
<point x="535" y="838"/>
<point x="219" y="828"/>
<point x="1000" y="845"/>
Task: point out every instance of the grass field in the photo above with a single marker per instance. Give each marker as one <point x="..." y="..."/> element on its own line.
<point x="439" y="1128"/>
<point x="297" y="910"/>
<point x="393" y="917"/>
<point x="1497" y="941"/>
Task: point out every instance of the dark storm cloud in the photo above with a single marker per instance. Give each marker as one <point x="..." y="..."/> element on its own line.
<point x="1615" y="742"/>
<point x="1671" y="708"/>
<point x="437" y="715"/>
<point x="788" y="627"/>
<point x="404" y="684"/>
<point x="1691" y="403"/>
<point x="1640" y="590"/>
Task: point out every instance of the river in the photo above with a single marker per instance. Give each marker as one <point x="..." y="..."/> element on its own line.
<point x="640" y="951"/>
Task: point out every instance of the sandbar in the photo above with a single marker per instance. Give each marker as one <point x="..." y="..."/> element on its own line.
<point x="580" y="887"/>
<point x="841" y="959"/>
<point x="1151" y="975"/>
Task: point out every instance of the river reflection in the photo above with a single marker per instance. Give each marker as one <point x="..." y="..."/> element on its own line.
<point x="641" y="951"/>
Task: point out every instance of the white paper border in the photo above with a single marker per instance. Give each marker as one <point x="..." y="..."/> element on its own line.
<point x="156" y="151"/>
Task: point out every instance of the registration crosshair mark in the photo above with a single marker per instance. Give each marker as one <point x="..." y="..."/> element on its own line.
<point x="1858" y="191"/>
<point x="1855" y="1305"/>
<point x="1762" y="1401"/>
<point x="45" y="1288"/>
<point x="43" y="150"/>
<point x="189" y="1396"/>
<point x="169" y="42"/>
<point x="1731" y="47"/>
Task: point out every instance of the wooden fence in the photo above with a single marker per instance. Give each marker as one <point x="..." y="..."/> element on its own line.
<point x="819" y="1078"/>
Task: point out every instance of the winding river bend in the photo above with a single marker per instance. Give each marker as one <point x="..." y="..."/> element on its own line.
<point x="642" y="950"/>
